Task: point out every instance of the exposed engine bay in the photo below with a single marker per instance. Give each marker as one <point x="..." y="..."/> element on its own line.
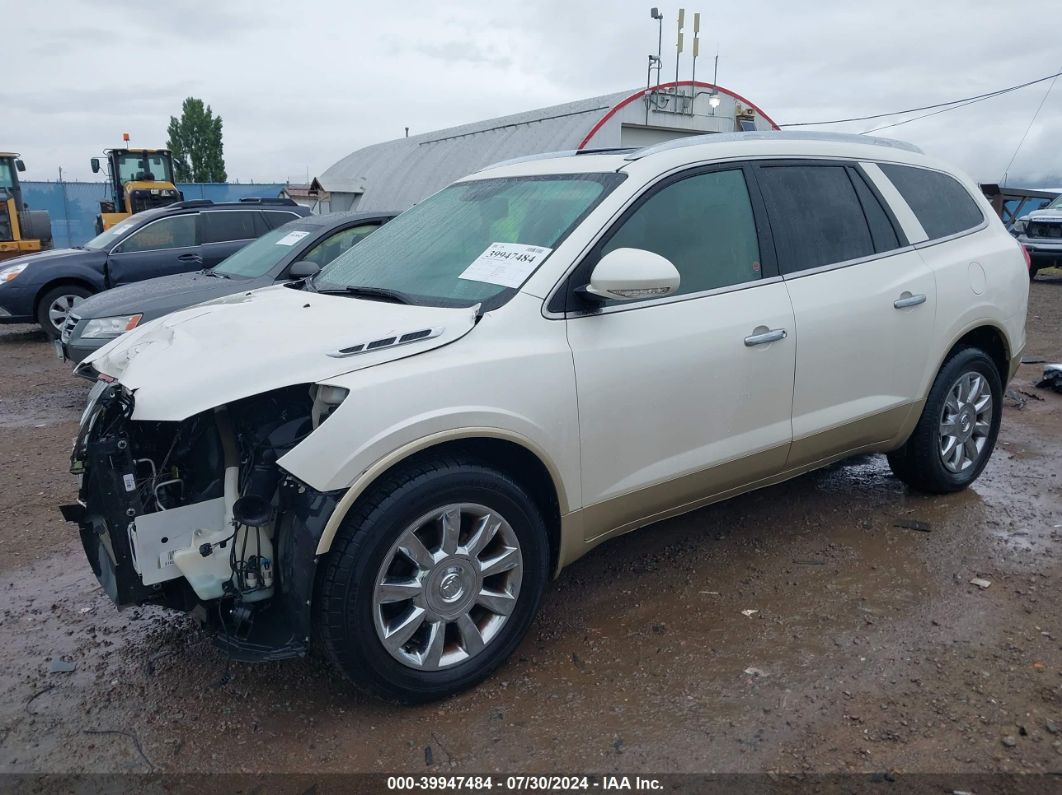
<point x="197" y="516"/>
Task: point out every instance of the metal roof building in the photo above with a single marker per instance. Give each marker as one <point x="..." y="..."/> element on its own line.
<point x="396" y="174"/>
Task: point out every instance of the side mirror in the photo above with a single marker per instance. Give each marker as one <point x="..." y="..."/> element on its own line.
<point x="95" y="162"/>
<point x="630" y="274"/>
<point x="303" y="269"/>
<point x="19" y="165"/>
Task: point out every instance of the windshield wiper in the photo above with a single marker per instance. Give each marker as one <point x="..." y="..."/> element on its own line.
<point x="215" y="274"/>
<point x="376" y="293"/>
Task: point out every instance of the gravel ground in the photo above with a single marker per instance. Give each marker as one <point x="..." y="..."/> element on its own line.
<point x="869" y="649"/>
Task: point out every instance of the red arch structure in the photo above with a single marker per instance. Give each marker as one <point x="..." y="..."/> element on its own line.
<point x="639" y="94"/>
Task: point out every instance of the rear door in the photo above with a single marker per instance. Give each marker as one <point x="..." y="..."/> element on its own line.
<point x="224" y="232"/>
<point x="684" y="397"/>
<point x="864" y="303"/>
<point x="159" y="248"/>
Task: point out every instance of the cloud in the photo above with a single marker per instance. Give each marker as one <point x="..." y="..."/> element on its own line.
<point x="301" y="86"/>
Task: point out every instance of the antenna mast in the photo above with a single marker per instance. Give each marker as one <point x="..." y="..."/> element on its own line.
<point x="678" y="43"/>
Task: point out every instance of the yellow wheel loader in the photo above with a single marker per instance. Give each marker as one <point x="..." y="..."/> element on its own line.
<point x="22" y="231"/>
<point x="139" y="179"/>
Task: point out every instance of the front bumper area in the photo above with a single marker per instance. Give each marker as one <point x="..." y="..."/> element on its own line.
<point x="124" y="498"/>
<point x="75" y="347"/>
<point x="1044" y="252"/>
<point x="16" y="304"/>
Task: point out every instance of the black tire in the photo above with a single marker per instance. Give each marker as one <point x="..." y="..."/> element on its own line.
<point x="1033" y="270"/>
<point x="64" y="291"/>
<point x="344" y="607"/>
<point x="919" y="463"/>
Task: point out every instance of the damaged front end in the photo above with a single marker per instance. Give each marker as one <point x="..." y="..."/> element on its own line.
<point x="196" y="515"/>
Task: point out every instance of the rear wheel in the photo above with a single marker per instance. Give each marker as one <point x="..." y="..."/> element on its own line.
<point x="433" y="580"/>
<point x="55" y="305"/>
<point x="957" y="431"/>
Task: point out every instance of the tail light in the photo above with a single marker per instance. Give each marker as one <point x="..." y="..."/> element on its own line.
<point x="1028" y="259"/>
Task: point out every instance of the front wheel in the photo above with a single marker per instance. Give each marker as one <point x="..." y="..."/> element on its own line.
<point x="957" y="431"/>
<point x="432" y="581"/>
<point x="55" y="306"/>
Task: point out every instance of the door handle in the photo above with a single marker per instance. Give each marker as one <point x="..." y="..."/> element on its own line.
<point x="906" y="299"/>
<point x="763" y="337"/>
<point x="190" y="258"/>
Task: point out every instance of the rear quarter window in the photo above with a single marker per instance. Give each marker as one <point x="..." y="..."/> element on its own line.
<point x="940" y="203"/>
<point x="274" y="218"/>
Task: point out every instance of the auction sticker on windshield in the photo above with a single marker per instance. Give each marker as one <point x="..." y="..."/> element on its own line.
<point x="507" y="264"/>
<point x="291" y="238"/>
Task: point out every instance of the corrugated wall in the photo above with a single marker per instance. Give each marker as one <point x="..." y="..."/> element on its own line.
<point x="73" y="206"/>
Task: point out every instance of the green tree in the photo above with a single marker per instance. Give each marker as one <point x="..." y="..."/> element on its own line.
<point x="195" y="140"/>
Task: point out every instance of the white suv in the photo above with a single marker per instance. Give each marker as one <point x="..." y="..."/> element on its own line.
<point x="392" y="458"/>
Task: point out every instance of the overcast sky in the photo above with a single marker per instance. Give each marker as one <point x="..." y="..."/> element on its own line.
<point x="299" y="85"/>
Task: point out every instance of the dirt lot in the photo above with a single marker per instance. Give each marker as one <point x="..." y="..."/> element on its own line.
<point x="869" y="649"/>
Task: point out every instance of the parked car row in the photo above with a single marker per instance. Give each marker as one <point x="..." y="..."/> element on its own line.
<point x="388" y="459"/>
<point x="186" y="236"/>
<point x="295" y="250"/>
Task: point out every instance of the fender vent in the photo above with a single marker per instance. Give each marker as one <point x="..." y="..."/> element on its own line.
<point x="387" y="342"/>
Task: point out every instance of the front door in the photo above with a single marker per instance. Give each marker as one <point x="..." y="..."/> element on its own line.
<point x="159" y="248"/>
<point x="689" y="396"/>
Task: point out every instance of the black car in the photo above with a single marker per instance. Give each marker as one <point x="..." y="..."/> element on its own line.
<point x="293" y="251"/>
<point x="178" y="238"/>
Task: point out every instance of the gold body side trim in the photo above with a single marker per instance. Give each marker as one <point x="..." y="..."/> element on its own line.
<point x="877" y="428"/>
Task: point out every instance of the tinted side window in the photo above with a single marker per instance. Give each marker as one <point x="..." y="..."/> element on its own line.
<point x="225" y="225"/>
<point x="334" y="245"/>
<point x="703" y="224"/>
<point x="816" y="217"/>
<point x="940" y="203"/>
<point x="881" y="228"/>
<point x="175" y="232"/>
<point x="274" y="219"/>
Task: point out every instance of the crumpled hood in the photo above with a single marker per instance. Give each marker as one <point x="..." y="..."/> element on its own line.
<point x="258" y="341"/>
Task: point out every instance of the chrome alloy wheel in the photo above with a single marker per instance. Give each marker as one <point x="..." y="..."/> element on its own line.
<point x="965" y="422"/>
<point x="447" y="586"/>
<point x="59" y="309"/>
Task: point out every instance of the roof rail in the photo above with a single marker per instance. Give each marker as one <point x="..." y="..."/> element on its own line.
<point x="604" y="150"/>
<point x="285" y="202"/>
<point x="528" y="158"/>
<point x="189" y="203"/>
<point x="769" y="135"/>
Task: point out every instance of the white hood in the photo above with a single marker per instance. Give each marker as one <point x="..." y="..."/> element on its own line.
<point x="255" y="342"/>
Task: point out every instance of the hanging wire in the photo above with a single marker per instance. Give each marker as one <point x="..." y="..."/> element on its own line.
<point x="1032" y="121"/>
<point x="957" y="103"/>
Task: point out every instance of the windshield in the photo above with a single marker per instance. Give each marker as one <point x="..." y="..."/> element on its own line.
<point x="473" y="242"/>
<point x="143" y="166"/>
<point x="7" y="174"/>
<point x="110" y="236"/>
<point x="1056" y="204"/>
<point x="261" y="256"/>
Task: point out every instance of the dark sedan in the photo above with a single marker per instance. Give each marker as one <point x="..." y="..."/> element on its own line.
<point x="177" y="238"/>
<point x="293" y="251"/>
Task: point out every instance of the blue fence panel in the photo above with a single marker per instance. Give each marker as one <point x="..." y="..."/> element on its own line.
<point x="73" y="206"/>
